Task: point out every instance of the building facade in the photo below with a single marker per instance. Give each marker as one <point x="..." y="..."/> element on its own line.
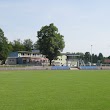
<point x="35" y="58"/>
<point x="25" y="57"/>
<point x="60" y="61"/>
<point x="67" y="59"/>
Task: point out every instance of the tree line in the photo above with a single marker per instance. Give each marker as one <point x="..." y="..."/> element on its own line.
<point x="94" y="58"/>
<point x="19" y="45"/>
<point x="50" y="43"/>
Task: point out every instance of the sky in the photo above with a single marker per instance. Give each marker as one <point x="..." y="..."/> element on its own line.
<point x="82" y="22"/>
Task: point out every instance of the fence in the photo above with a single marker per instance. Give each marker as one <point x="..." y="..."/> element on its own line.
<point x="22" y="67"/>
<point x="27" y="67"/>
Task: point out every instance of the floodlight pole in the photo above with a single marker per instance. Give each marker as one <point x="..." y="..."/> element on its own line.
<point x="91" y="54"/>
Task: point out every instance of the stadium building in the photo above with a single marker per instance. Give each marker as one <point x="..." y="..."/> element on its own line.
<point x="37" y="59"/>
<point x="68" y="59"/>
<point x="26" y="57"/>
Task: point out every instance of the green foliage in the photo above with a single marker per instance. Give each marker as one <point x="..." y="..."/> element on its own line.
<point x="87" y="57"/>
<point x="4" y="49"/>
<point x="108" y="57"/>
<point x="100" y="58"/>
<point x="35" y="46"/>
<point x="50" y="42"/>
<point x="81" y="55"/>
<point x="94" y="58"/>
<point x="10" y="46"/>
<point x="17" y="45"/>
<point x="28" y="44"/>
<point x="55" y="90"/>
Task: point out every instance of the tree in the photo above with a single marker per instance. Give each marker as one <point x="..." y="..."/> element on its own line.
<point x="10" y="46"/>
<point x="17" y="45"/>
<point x="87" y="57"/>
<point x="50" y="42"/>
<point x="35" y="46"/>
<point x="4" y="50"/>
<point x="100" y="58"/>
<point x="28" y="44"/>
<point x="95" y="58"/>
<point x="81" y="55"/>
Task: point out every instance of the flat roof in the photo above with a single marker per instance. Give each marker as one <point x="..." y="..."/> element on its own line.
<point x="72" y="55"/>
<point x="69" y="54"/>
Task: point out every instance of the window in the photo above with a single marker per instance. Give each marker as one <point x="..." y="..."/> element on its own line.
<point x="11" y="60"/>
<point x="22" y="53"/>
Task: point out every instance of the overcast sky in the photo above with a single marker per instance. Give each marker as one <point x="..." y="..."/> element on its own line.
<point x="82" y="22"/>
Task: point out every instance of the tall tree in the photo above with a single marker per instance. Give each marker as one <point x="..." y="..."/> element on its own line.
<point x="28" y="44"/>
<point x="50" y="42"/>
<point x="4" y="50"/>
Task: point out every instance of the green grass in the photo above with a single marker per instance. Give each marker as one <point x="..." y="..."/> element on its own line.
<point x="55" y="90"/>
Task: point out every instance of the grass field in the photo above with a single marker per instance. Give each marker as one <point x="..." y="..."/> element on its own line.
<point x="55" y="90"/>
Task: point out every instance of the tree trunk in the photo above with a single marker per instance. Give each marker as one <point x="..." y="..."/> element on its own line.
<point x="50" y="62"/>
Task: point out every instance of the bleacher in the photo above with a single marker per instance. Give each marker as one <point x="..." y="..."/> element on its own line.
<point x="60" y="68"/>
<point x="88" y="67"/>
